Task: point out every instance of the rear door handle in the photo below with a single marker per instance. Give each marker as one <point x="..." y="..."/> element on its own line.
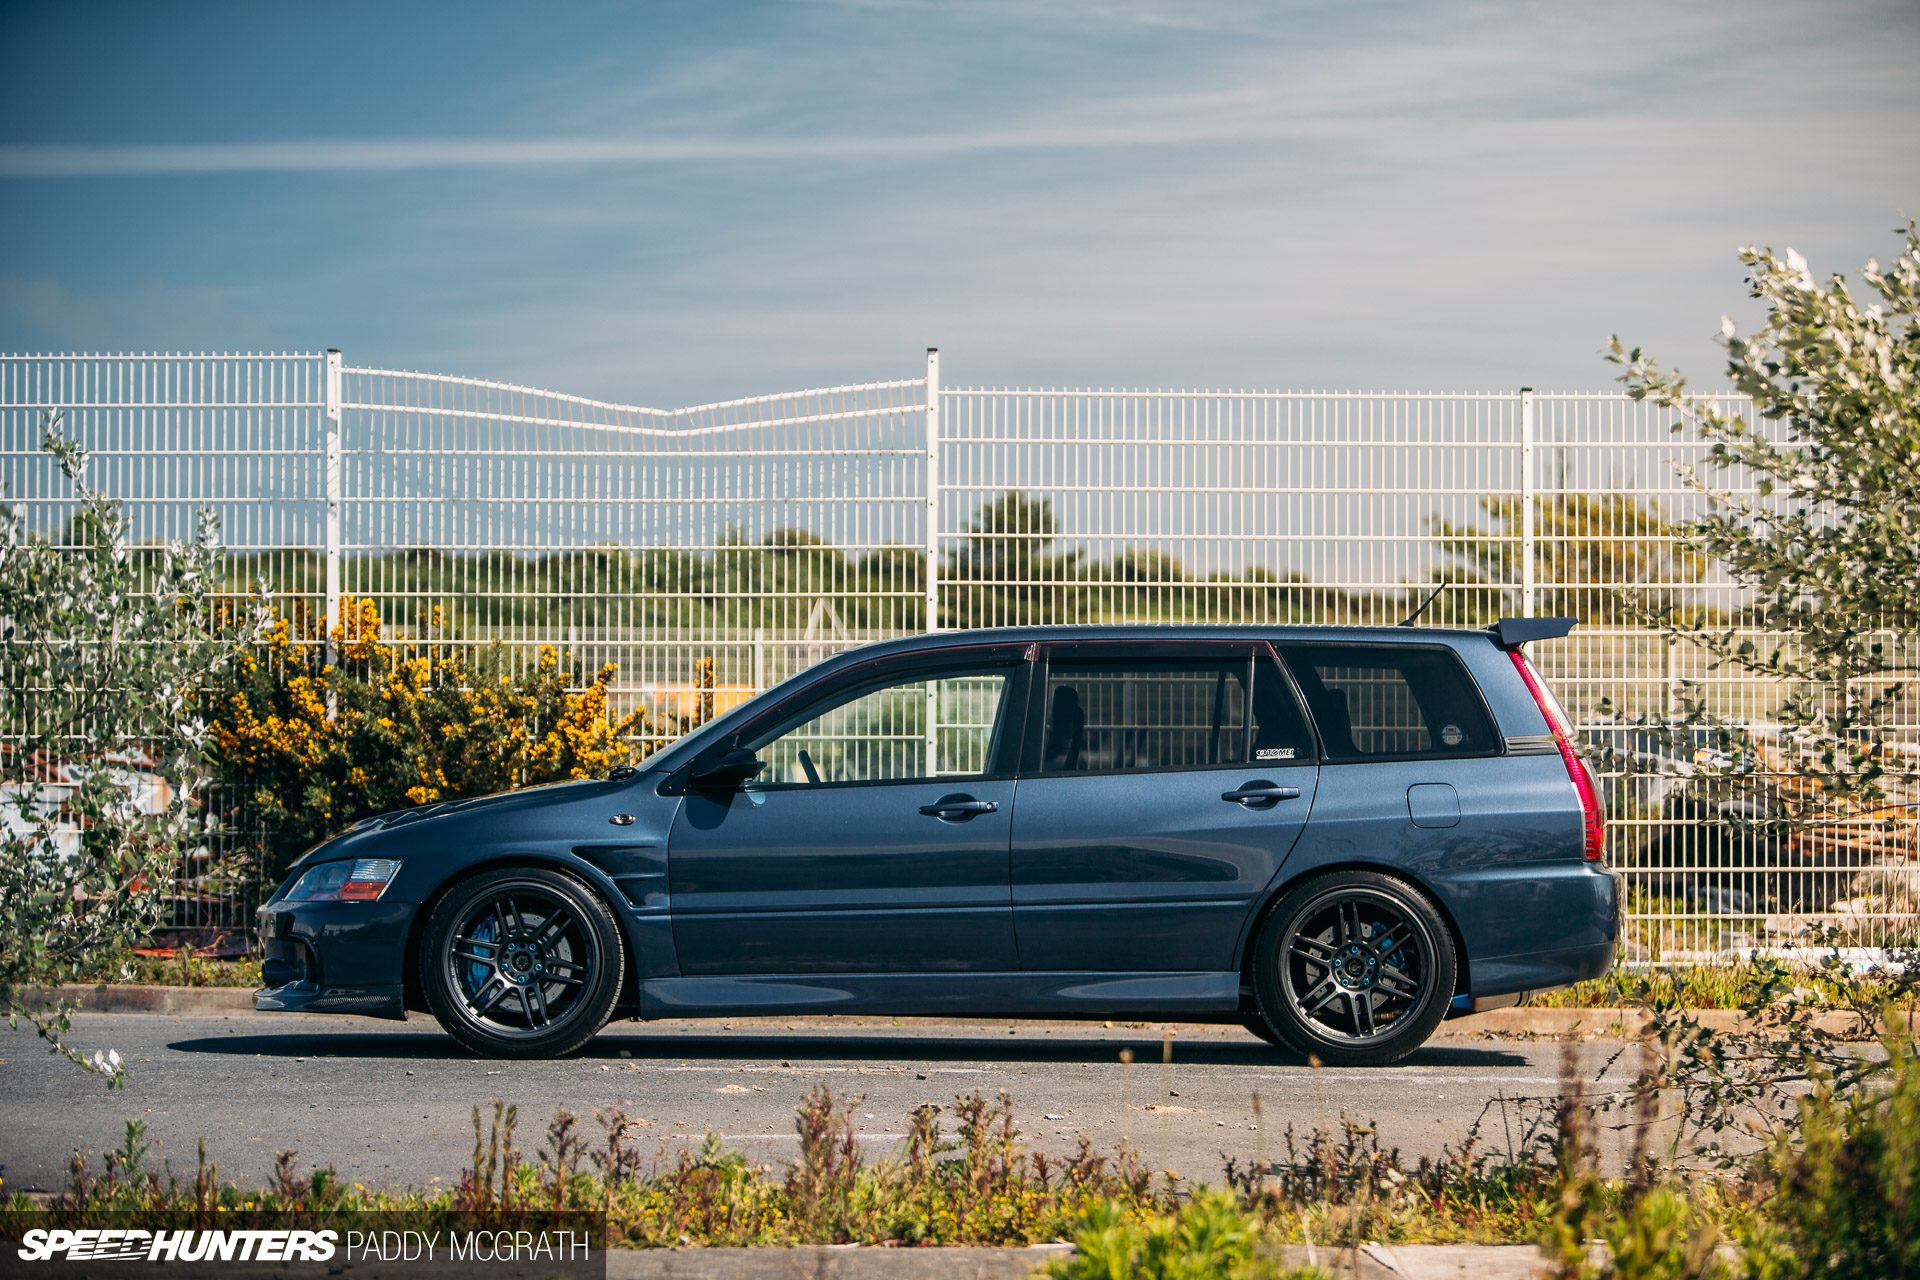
<point x="958" y="808"/>
<point x="1261" y="795"/>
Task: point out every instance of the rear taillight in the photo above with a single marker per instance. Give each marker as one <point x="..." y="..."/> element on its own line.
<point x="1577" y="770"/>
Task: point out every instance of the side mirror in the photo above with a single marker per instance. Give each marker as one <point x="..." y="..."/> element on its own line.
<point x="727" y="769"/>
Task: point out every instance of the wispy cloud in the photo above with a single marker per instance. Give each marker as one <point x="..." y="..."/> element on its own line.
<point x="736" y="106"/>
<point x="323" y="155"/>
<point x="1249" y="105"/>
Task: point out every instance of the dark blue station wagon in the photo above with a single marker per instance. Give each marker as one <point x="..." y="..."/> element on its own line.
<point x="1336" y="836"/>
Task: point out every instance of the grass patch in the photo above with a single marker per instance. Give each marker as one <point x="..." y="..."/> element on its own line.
<point x="1701" y="987"/>
<point x="183" y="969"/>
<point x="1834" y="1196"/>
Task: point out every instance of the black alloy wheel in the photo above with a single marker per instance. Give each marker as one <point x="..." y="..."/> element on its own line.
<point x="1354" y="968"/>
<point x="522" y="962"/>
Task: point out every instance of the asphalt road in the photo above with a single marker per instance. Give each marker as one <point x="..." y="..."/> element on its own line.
<point x="390" y="1103"/>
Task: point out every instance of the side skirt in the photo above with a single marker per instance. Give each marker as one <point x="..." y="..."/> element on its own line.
<point x="1196" y="996"/>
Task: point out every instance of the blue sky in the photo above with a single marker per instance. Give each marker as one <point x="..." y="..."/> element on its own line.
<point x="672" y="203"/>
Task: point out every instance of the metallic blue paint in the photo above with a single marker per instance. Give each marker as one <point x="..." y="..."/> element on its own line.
<point x="842" y="879"/>
<point x="1146" y="872"/>
<point x="1096" y="895"/>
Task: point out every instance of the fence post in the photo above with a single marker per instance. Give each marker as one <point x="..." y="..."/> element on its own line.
<point x="1528" y="588"/>
<point x="333" y="502"/>
<point x="930" y="574"/>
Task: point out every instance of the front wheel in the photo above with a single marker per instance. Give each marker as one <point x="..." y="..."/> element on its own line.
<point x="1354" y="968"/>
<point x="522" y="962"/>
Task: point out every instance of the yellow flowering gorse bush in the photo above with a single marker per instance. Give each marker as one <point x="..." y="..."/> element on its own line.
<point x="305" y="747"/>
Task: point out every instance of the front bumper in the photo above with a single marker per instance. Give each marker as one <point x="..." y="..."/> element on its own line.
<point x="334" y="957"/>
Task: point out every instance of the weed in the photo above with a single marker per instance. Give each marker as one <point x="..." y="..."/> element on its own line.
<point x="1211" y="1235"/>
<point x="488" y="1182"/>
<point x="1844" y="1193"/>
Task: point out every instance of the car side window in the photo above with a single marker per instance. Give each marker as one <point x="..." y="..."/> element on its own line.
<point x="1280" y="732"/>
<point x="1378" y="702"/>
<point x="1105" y="714"/>
<point x="879" y="732"/>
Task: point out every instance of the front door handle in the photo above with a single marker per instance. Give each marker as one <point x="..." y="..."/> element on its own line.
<point x="958" y="808"/>
<point x="1261" y="795"/>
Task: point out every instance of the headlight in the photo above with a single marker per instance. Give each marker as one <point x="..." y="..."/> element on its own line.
<point x="361" y="880"/>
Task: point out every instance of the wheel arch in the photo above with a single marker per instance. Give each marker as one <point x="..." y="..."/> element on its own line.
<point x="415" y="999"/>
<point x="1258" y="920"/>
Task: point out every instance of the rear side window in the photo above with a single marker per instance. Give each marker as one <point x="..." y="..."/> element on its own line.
<point x="1280" y="732"/>
<point x="1375" y="702"/>
<point x="1121" y="713"/>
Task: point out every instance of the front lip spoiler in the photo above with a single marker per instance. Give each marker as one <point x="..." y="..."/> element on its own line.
<point x="308" y="997"/>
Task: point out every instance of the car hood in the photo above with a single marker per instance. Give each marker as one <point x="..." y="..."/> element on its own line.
<point x="530" y="813"/>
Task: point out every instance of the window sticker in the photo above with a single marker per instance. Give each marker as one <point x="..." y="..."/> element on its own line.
<point x="1452" y="735"/>
<point x="1273" y="753"/>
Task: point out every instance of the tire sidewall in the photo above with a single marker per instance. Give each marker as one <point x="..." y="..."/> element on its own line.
<point x="578" y="1026"/>
<point x="1276" y="1011"/>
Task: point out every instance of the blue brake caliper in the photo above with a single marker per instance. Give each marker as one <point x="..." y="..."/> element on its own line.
<point x="477" y="973"/>
<point x="1394" y="958"/>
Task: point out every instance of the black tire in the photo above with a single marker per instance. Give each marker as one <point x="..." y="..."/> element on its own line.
<point x="522" y="962"/>
<point x="1354" y="968"/>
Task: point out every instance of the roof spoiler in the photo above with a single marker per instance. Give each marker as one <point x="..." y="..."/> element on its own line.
<point x="1511" y="633"/>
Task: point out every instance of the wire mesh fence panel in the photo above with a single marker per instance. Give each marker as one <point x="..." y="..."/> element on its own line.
<point x="711" y="552"/>
<point x="706" y="553"/>
<point x="1164" y="507"/>
<point x="171" y="437"/>
<point x="1150" y="506"/>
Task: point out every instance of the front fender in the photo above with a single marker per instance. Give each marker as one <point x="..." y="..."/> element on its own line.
<point x="625" y="863"/>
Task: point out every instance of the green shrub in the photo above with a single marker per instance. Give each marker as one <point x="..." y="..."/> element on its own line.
<point x="1210" y="1237"/>
<point x="1845" y="1199"/>
<point x="305" y="746"/>
<point x="104" y="643"/>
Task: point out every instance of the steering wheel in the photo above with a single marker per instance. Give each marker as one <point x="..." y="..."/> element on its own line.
<point x="806" y="763"/>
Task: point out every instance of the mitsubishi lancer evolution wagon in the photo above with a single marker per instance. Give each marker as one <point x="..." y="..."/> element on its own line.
<point x="1336" y="836"/>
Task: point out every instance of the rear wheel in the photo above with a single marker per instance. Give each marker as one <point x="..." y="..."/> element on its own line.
<point x="522" y="962"/>
<point x="1354" y="968"/>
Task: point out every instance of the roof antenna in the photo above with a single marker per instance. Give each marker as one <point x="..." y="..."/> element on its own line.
<point x="1413" y="617"/>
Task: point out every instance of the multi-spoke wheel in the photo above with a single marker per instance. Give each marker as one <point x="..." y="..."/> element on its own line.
<point x="1354" y="968"/>
<point x="522" y="963"/>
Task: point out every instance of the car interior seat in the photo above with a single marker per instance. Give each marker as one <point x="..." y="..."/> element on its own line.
<point x="1066" y="731"/>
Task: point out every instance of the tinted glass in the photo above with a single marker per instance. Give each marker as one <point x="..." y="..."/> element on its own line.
<point x="1371" y="701"/>
<point x="1152" y="713"/>
<point x="1280" y="732"/>
<point x="880" y="734"/>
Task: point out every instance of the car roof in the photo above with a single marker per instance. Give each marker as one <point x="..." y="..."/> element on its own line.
<point x="1149" y="632"/>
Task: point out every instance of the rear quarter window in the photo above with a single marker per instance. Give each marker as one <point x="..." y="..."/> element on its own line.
<point x="1375" y="702"/>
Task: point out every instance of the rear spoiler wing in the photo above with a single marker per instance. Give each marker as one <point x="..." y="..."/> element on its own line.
<point x="1511" y="633"/>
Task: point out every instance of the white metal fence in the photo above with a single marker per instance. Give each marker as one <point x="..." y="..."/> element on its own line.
<point x="711" y="551"/>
